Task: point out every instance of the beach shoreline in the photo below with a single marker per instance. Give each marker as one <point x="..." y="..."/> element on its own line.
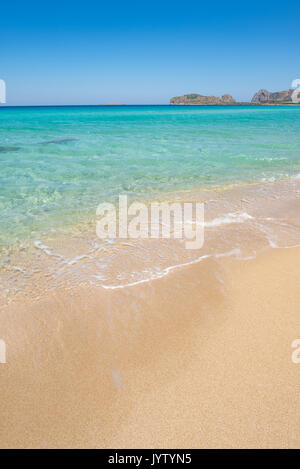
<point x="240" y="220"/>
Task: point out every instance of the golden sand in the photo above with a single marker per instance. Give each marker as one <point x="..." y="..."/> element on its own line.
<point x="198" y="359"/>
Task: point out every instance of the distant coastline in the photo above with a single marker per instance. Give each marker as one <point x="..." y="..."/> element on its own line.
<point x="262" y="97"/>
<point x="237" y="103"/>
<point x="46" y="106"/>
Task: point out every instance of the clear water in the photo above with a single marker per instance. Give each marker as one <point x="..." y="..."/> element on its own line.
<point x="141" y="151"/>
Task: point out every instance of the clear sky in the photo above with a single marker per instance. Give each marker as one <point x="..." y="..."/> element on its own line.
<point x="94" y="52"/>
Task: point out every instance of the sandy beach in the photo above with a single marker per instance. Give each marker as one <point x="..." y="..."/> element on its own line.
<point x="149" y="228"/>
<point x="186" y="361"/>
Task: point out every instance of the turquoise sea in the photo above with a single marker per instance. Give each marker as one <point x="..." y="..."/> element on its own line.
<point x="58" y="163"/>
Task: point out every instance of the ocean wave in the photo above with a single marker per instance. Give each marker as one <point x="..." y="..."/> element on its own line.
<point x="228" y="219"/>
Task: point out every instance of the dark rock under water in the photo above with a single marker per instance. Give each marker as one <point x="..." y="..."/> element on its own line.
<point x="63" y="140"/>
<point x="6" y="149"/>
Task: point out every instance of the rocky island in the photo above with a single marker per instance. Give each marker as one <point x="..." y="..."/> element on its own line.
<point x="200" y="99"/>
<point x="266" y="97"/>
<point x="261" y="97"/>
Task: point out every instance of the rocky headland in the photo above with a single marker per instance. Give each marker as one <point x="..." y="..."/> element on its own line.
<point x="200" y="99"/>
<point x="266" y="97"/>
<point x="261" y="97"/>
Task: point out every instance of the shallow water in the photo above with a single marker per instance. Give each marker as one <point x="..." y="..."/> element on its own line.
<point x="66" y="160"/>
<point x="95" y="153"/>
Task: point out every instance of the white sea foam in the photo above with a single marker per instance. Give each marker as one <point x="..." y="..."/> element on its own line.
<point x="156" y="275"/>
<point x="233" y="252"/>
<point x="269" y="179"/>
<point x="39" y="245"/>
<point x="164" y="272"/>
<point x="19" y="269"/>
<point x="228" y="219"/>
<point x="76" y="259"/>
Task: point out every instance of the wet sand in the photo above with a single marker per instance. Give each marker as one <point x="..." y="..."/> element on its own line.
<point x="198" y="359"/>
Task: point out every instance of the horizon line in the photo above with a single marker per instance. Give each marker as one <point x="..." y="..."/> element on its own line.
<point x="239" y="103"/>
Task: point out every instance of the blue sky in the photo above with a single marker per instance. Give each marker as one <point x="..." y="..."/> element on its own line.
<point x="94" y="52"/>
